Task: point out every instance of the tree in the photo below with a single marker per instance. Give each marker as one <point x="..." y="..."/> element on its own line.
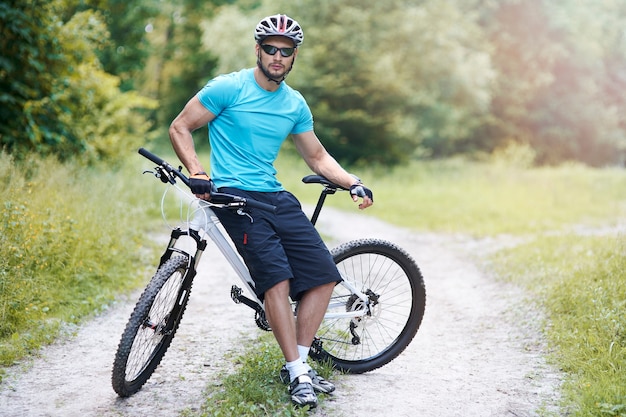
<point x="390" y="81"/>
<point x="126" y="50"/>
<point x="56" y="99"/>
<point x="181" y="63"/>
<point x="190" y="63"/>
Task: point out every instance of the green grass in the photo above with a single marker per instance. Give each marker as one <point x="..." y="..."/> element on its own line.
<point x="70" y="241"/>
<point x="580" y="282"/>
<point x="254" y="389"/>
<point x="483" y="199"/>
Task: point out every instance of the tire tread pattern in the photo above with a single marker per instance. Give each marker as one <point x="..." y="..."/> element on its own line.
<point x="121" y="386"/>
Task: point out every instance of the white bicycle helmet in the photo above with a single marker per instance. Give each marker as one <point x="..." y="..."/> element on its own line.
<point x="279" y="25"/>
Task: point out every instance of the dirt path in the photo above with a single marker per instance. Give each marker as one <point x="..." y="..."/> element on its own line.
<point x="478" y="352"/>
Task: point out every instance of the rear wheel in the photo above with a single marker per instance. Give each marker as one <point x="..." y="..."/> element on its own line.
<point x="151" y="326"/>
<point x="396" y="299"/>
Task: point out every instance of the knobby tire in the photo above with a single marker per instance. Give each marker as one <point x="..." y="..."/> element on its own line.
<point x="151" y="326"/>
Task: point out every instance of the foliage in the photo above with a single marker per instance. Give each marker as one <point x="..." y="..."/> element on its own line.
<point x="56" y="99"/>
<point x="125" y="52"/>
<point x="387" y="81"/>
<point x="185" y="63"/>
<point x="558" y="74"/>
<point x="69" y="242"/>
<point x="374" y="103"/>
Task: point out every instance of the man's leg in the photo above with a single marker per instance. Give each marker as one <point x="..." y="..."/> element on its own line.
<point x="311" y="310"/>
<point x="280" y="317"/>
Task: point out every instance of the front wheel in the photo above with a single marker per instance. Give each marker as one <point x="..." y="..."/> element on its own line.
<point x="152" y="326"/>
<point x="395" y="304"/>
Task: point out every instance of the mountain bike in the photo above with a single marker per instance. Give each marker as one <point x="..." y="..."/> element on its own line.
<point x="373" y="315"/>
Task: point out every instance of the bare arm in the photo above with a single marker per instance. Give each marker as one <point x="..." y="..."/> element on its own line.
<point x="193" y="116"/>
<point x="322" y="163"/>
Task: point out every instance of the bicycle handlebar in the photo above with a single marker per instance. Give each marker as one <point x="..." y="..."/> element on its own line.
<point x="228" y="200"/>
<point x="147" y="154"/>
<point x="164" y="165"/>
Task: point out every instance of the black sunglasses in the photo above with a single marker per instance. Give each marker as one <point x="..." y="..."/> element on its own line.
<point x="271" y="50"/>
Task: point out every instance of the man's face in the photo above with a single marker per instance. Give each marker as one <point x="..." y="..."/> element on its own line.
<point x="276" y="65"/>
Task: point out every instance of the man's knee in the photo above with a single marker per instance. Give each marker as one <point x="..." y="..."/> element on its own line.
<point x="280" y="290"/>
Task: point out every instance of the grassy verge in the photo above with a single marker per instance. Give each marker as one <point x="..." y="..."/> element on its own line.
<point x="580" y="282"/>
<point x="70" y="240"/>
<point x="484" y="199"/>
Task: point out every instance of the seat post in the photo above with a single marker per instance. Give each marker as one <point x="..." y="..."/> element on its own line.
<point x="320" y="202"/>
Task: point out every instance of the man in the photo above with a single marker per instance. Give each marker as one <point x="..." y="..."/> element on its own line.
<point x="250" y="113"/>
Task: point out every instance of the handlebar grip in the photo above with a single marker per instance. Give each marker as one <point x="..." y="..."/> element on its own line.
<point x="147" y="154"/>
<point x="260" y="205"/>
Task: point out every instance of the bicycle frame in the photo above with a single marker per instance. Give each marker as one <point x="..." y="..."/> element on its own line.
<point x="205" y="220"/>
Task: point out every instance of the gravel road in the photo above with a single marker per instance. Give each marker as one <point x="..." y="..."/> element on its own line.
<point x="478" y="352"/>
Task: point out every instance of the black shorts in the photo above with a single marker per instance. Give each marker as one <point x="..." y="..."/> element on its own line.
<point x="279" y="246"/>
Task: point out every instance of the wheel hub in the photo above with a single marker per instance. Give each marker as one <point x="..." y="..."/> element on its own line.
<point x="372" y="308"/>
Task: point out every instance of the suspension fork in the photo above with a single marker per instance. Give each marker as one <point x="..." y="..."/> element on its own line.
<point x="190" y="272"/>
<point x="176" y="234"/>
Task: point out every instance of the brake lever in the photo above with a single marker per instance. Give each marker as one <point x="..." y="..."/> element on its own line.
<point x="164" y="175"/>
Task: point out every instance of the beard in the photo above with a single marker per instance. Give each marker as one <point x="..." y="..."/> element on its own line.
<point x="274" y="75"/>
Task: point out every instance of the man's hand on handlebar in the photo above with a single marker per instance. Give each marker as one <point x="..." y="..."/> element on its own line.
<point x="359" y="190"/>
<point x="202" y="186"/>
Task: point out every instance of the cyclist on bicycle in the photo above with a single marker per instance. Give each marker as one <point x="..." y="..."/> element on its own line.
<point x="250" y="113"/>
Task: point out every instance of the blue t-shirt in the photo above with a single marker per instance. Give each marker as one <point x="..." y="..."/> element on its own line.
<point x="249" y="128"/>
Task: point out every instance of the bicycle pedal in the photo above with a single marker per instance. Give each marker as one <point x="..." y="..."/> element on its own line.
<point x="235" y="294"/>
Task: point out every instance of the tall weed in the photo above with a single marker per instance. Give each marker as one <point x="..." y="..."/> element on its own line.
<point x="70" y="240"/>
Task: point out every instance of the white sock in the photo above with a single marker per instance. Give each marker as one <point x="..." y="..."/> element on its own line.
<point x="297" y="368"/>
<point x="304" y="352"/>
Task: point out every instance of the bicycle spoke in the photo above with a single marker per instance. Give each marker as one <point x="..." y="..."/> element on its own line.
<point x="391" y="281"/>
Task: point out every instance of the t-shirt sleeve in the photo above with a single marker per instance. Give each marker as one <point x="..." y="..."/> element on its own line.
<point x="305" y="121"/>
<point x="218" y="93"/>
